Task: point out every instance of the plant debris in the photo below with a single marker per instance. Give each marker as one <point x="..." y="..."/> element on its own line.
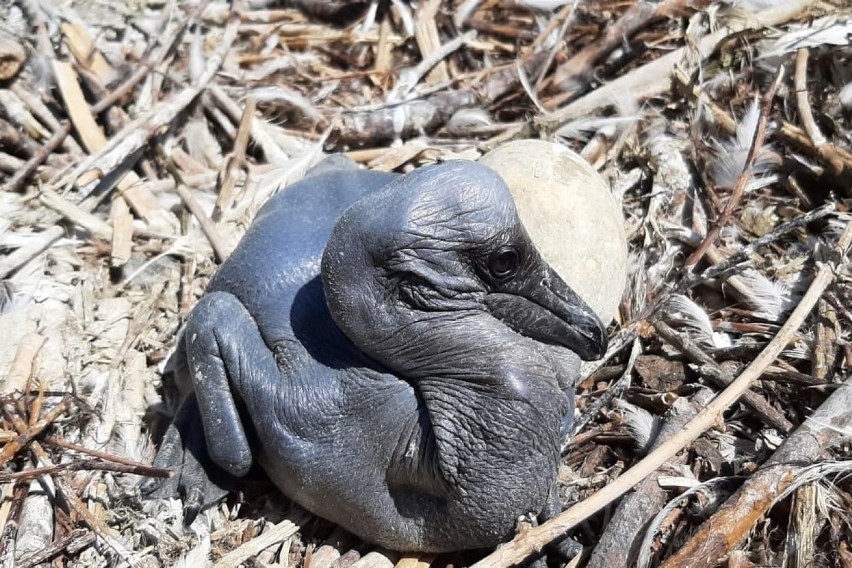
<point x="138" y="140"/>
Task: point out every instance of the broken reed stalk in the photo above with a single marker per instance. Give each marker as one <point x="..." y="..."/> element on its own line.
<point x="733" y="521"/>
<point x="744" y="177"/>
<point x="537" y="538"/>
<point x="72" y="542"/>
<point x="652" y="79"/>
<point x="617" y="546"/>
<point x="571" y="77"/>
<point x="107" y="534"/>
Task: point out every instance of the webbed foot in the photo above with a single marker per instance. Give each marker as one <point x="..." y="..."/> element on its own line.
<point x="197" y="481"/>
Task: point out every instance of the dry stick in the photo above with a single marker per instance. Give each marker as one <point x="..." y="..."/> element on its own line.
<point x="721" y="377"/>
<point x="652" y="79"/>
<point x="10" y="529"/>
<point x="279" y="533"/>
<point x="62" y="132"/>
<point x="566" y="16"/>
<point x="744" y="177"/>
<point x="535" y="539"/>
<point x="428" y="39"/>
<point x="132" y="138"/>
<point x="732" y="522"/>
<point x="30" y="250"/>
<point x="105" y="456"/>
<point x="208" y="227"/>
<point x="16" y="182"/>
<point x="72" y="542"/>
<point x="88" y="465"/>
<point x="207" y="224"/>
<point x="800" y="81"/>
<point x="409" y="81"/>
<point x="76" y="214"/>
<point x="22" y="367"/>
<point x="615" y="390"/>
<point x="261" y="130"/>
<point x="45" y="116"/>
<point x="837" y="160"/>
<point x="94" y="140"/>
<point x="378" y="124"/>
<point x="35" y="409"/>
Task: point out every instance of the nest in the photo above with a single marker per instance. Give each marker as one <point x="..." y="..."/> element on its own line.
<point x="137" y="141"/>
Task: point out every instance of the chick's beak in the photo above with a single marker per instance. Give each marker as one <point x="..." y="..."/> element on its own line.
<point x="540" y="305"/>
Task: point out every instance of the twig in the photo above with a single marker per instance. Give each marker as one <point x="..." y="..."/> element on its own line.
<point x="616" y="547"/>
<point x="124" y="147"/>
<point x="105" y="456"/>
<point x="43" y="113"/>
<point x="615" y="390"/>
<point x="261" y="131"/>
<point x="414" y="76"/>
<point x="10" y="529"/>
<point x="692" y="279"/>
<point x="372" y="127"/>
<point x="235" y="161"/>
<point x="536" y="538"/>
<point x="207" y="225"/>
<point x="87" y="465"/>
<point x="800" y="82"/>
<point x="17" y="181"/>
<point x="744" y="177"/>
<point x="107" y="534"/>
<point x="838" y="160"/>
<point x="11" y="449"/>
<point x="31" y="250"/>
<point x="721" y="377"/>
<point x="76" y="214"/>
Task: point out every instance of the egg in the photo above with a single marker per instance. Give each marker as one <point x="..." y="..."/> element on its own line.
<point x="571" y="215"/>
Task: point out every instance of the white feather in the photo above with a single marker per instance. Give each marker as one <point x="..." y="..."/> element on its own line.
<point x="771" y="299"/>
<point x="754" y="5"/>
<point x="731" y="154"/>
<point x="544" y="5"/>
<point x="641" y="424"/>
<point x="825" y="31"/>
<point x="692" y="315"/>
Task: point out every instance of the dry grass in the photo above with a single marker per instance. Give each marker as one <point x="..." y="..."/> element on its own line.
<point x="137" y="140"/>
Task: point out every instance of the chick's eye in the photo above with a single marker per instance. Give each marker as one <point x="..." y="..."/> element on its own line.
<point x="504" y="263"/>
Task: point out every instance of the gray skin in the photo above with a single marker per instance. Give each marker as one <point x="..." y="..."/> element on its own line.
<point x="392" y="351"/>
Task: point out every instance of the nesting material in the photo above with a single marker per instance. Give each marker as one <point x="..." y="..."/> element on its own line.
<point x="571" y="215"/>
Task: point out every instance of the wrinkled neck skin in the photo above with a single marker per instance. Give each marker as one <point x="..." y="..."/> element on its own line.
<point x="493" y="397"/>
